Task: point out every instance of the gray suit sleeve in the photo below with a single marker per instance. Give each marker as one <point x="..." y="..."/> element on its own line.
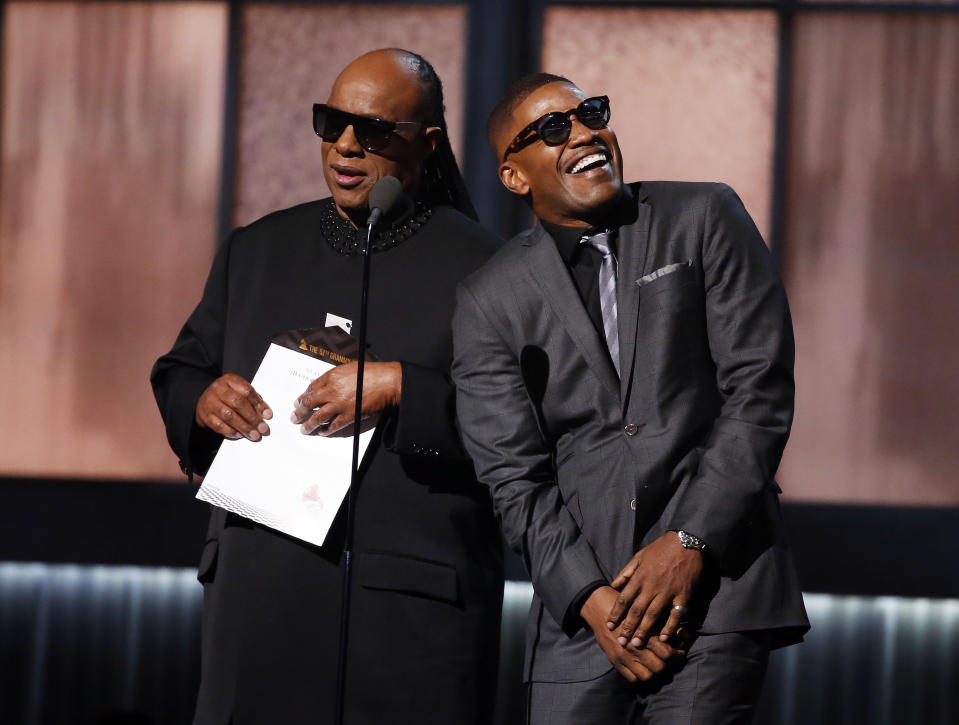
<point x="501" y="434"/>
<point x="751" y="343"/>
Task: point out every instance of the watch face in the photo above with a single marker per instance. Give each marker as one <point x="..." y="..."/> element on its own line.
<point x="690" y="542"/>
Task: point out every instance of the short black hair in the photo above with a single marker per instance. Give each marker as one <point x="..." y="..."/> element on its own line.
<point x="519" y="91"/>
<point x="442" y="181"/>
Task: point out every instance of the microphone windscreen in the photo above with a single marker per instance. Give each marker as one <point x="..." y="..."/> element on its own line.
<point x="385" y="194"/>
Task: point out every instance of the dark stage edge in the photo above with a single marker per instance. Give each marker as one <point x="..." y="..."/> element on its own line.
<point x="839" y="549"/>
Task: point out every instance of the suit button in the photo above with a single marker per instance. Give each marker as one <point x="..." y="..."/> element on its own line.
<point x="630" y="429"/>
<point x="632" y="505"/>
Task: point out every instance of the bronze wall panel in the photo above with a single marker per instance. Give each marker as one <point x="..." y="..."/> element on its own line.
<point x="692" y="91"/>
<point x="111" y="142"/>
<point x="872" y="259"/>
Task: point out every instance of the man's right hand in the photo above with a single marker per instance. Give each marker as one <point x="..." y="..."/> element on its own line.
<point x="231" y="407"/>
<point x="632" y="663"/>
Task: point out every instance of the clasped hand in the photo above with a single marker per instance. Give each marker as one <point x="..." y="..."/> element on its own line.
<point x="623" y="615"/>
<point x="231" y="407"/>
<point x="656" y="585"/>
<point x="633" y="663"/>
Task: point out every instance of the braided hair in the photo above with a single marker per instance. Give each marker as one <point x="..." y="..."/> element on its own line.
<point x="442" y="182"/>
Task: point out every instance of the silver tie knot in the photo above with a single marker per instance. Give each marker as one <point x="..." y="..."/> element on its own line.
<point x="599" y="242"/>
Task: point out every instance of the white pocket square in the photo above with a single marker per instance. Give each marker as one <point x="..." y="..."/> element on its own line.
<point x="663" y="271"/>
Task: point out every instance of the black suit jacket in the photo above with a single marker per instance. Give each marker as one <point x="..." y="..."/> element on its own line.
<point x="584" y="467"/>
<point x="428" y="559"/>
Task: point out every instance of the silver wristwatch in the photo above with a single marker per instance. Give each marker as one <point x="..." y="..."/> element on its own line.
<point x="691" y="542"/>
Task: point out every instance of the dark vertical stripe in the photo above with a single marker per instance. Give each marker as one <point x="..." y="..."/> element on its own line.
<point x="504" y="44"/>
<point x="777" y="213"/>
<point x="230" y="120"/>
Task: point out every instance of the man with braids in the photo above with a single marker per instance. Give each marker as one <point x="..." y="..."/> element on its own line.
<point x="427" y="585"/>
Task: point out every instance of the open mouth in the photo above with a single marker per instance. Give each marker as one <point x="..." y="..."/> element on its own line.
<point x="588" y="163"/>
<point x="347" y="176"/>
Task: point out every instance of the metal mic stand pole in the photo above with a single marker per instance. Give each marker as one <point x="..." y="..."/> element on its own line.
<point x="354" y="481"/>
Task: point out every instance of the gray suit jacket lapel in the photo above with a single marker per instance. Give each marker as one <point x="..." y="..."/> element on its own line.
<point x="632" y="245"/>
<point x="549" y="272"/>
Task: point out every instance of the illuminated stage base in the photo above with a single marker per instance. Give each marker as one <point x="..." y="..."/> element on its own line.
<point x="91" y="644"/>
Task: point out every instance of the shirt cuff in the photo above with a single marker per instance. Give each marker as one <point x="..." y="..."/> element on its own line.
<point x="573" y="621"/>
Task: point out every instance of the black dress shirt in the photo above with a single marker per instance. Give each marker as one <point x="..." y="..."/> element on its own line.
<point x="583" y="263"/>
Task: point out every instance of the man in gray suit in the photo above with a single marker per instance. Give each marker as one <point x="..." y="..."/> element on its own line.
<point x="624" y="385"/>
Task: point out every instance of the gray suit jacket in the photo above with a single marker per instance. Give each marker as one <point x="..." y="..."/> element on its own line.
<point x="586" y="468"/>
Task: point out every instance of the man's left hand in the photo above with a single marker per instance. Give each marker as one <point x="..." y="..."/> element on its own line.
<point x="658" y="578"/>
<point x="329" y="403"/>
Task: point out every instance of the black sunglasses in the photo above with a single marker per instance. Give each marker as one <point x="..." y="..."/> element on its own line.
<point x="554" y="128"/>
<point x="374" y="134"/>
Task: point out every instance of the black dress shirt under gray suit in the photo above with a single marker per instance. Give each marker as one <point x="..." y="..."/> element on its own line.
<point x="584" y="467"/>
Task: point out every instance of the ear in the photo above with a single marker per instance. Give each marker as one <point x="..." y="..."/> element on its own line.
<point x="433" y="134"/>
<point x="513" y="178"/>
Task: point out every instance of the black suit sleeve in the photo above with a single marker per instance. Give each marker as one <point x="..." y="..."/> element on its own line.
<point x="751" y="343"/>
<point x="195" y="360"/>
<point x="424" y="426"/>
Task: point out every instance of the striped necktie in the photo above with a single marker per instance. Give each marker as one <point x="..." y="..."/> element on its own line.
<point x="607" y="291"/>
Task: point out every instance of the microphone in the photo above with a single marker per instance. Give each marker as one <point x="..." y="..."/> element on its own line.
<point x="383" y="198"/>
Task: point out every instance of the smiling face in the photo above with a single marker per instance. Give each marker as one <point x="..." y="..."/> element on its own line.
<point x="576" y="183"/>
<point x="379" y="85"/>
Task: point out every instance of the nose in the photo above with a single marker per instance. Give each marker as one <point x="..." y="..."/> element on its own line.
<point x="579" y="133"/>
<point x="347" y="144"/>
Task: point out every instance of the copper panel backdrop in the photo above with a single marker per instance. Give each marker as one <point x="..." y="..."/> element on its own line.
<point x="290" y="56"/>
<point x="872" y="259"/>
<point x="112" y="117"/>
<point x="692" y="91"/>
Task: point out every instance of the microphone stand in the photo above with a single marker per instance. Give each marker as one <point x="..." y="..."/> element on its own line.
<point x="354" y="480"/>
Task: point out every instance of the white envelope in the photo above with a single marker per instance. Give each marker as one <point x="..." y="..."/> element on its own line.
<point x="288" y="481"/>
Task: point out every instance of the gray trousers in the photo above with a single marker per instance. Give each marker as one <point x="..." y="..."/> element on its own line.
<point x="719" y="683"/>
